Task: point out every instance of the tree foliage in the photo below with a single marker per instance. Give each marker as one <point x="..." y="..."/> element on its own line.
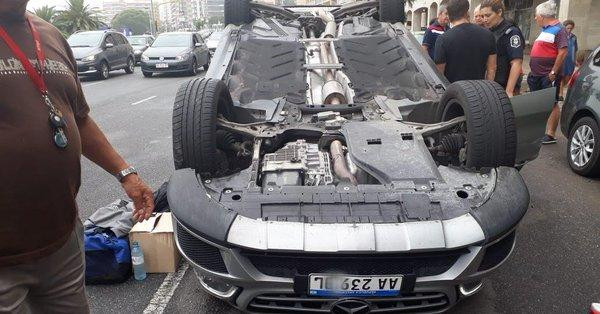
<point x="137" y="21"/>
<point x="46" y="13"/>
<point x="199" y="24"/>
<point x="77" y="17"/>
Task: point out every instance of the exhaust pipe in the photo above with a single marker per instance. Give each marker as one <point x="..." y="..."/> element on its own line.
<point x="340" y="168"/>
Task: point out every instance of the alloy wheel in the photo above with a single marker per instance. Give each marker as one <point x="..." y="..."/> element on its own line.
<point x="582" y="146"/>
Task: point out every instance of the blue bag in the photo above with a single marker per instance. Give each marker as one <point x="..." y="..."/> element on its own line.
<point x="107" y="257"/>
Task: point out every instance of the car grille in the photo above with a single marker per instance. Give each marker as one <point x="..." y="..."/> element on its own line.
<point x="200" y="252"/>
<point x="294" y="303"/>
<point x="497" y="252"/>
<point x="290" y="265"/>
<point x="165" y="58"/>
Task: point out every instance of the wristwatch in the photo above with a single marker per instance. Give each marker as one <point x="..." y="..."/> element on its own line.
<point x="125" y="172"/>
<point x="552" y="73"/>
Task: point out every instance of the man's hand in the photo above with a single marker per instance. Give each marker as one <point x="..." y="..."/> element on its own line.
<point x="552" y="77"/>
<point x="510" y="93"/>
<point x="141" y="194"/>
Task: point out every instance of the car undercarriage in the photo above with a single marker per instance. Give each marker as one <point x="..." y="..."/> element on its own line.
<point x="323" y="147"/>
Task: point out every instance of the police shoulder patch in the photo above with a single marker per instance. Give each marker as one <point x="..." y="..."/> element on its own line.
<point x="515" y="41"/>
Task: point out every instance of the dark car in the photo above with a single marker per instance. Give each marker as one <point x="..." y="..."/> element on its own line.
<point x="140" y="44"/>
<point x="174" y="53"/>
<point x="324" y="165"/>
<point x="581" y="117"/>
<point x="99" y="52"/>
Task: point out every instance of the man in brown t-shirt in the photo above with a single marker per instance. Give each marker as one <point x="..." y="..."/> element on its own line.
<point x="41" y="259"/>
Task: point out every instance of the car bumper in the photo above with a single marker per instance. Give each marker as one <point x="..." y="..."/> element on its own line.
<point x="87" y="68"/>
<point x="249" y="281"/>
<point x="173" y="66"/>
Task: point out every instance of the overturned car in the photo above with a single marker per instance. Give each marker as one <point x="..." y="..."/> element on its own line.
<point x="324" y="165"/>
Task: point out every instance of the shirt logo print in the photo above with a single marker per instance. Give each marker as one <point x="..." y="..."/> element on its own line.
<point x="12" y="66"/>
<point x="515" y="41"/>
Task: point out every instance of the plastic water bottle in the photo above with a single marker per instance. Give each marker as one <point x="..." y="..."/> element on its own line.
<point x="137" y="259"/>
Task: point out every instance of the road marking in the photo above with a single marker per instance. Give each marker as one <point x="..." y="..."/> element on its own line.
<point x="143" y="100"/>
<point x="91" y="84"/>
<point x="163" y="295"/>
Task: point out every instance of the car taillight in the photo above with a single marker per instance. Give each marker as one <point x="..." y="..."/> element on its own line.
<point x="573" y="78"/>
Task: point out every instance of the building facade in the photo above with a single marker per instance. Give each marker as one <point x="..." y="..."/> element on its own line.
<point x="110" y="8"/>
<point x="585" y="13"/>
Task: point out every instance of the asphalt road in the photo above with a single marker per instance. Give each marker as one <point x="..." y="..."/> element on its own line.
<point x="555" y="267"/>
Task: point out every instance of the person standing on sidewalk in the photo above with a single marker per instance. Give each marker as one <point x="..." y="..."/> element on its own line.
<point x="509" y="45"/>
<point x="435" y="29"/>
<point x="547" y="55"/>
<point x="44" y="129"/>
<point x="466" y="51"/>
<point x="570" y="60"/>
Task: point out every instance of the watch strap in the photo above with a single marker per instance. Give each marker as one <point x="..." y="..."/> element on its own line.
<point x="125" y="172"/>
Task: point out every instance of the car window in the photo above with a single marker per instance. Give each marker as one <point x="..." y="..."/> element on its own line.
<point x="150" y="40"/>
<point x="172" y="40"/>
<point x="109" y="40"/>
<point x="87" y="39"/>
<point x="200" y="40"/>
<point x="117" y="39"/>
<point x="597" y="59"/>
<point x="122" y="39"/>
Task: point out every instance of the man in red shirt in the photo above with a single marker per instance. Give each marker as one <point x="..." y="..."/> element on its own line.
<point x="547" y="55"/>
<point x="44" y="130"/>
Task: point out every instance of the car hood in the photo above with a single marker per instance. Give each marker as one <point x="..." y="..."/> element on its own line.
<point x="82" y="52"/>
<point x="165" y="51"/>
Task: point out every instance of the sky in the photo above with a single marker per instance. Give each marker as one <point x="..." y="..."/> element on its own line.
<point x="33" y="4"/>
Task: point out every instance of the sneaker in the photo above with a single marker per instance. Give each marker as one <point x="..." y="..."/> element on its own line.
<point x="548" y="140"/>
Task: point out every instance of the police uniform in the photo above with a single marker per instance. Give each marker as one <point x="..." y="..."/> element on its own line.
<point x="509" y="46"/>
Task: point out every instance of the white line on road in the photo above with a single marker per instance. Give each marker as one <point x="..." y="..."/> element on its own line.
<point x="143" y="100"/>
<point x="91" y="84"/>
<point x="163" y="295"/>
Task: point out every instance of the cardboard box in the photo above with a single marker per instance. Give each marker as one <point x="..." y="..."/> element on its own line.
<point x="157" y="241"/>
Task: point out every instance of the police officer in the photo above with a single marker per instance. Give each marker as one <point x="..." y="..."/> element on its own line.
<point x="509" y="46"/>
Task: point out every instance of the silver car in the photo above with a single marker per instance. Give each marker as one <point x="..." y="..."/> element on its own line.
<point x="324" y="165"/>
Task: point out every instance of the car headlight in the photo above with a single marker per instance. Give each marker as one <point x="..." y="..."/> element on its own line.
<point x="182" y="57"/>
<point x="89" y="58"/>
<point x="145" y="58"/>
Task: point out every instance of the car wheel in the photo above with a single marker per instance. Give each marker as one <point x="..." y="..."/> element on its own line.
<point x="147" y="74"/>
<point x="583" y="151"/>
<point x="391" y="11"/>
<point x="197" y="105"/>
<point x="194" y="69"/>
<point x="130" y="66"/>
<point x="237" y="12"/>
<point x="491" y="134"/>
<point x="104" y="71"/>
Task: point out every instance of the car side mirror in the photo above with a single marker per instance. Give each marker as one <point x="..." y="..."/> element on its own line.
<point x="109" y="45"/>
<point x="198" y="45"/>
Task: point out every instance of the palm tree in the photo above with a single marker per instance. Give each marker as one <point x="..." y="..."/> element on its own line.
<point x="78" y="16"/>
<point x="46" y="13"/>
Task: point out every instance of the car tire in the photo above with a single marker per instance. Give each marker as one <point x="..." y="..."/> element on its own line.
<point x="104" y="71"/>
<point x="197" y="105"/>
<point x="194" y="68"/>
<point x="392" y="11"/>
<point x="147" y="74"/>
<point x="584" y="133"/>
<point x="491" y="134"/>
<point x="130" y="68"/>
<point x="237" y="12"/>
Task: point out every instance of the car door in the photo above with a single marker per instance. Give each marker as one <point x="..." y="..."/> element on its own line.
<point x="124" y="49"/>
<point x="111" y="49"/>
<point x="200" y="50"/>
<point x="531" y="113"/>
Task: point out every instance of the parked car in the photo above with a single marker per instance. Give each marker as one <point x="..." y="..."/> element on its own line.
<point x="324" y="165"/>
<point x="100" y="52"/>
<point x="140" y="43"/>
<point x="580" y="118"/>
<point x="213" y="41"/>
<point x="175" y="52"/>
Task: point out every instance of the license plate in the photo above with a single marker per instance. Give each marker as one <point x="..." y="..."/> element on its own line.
<point x="162" y="65"/>
<point x="326" y="285"/>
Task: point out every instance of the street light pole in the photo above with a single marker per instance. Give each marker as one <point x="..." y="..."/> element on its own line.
<point x="152" y="18"/>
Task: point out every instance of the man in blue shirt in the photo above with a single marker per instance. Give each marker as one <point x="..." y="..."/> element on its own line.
<point x="437" y="28"/>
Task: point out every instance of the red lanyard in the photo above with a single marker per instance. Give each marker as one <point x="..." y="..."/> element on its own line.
<point x="36" y="77"/>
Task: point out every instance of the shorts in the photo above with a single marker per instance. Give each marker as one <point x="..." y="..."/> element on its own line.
<point x="542" y="82"/>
